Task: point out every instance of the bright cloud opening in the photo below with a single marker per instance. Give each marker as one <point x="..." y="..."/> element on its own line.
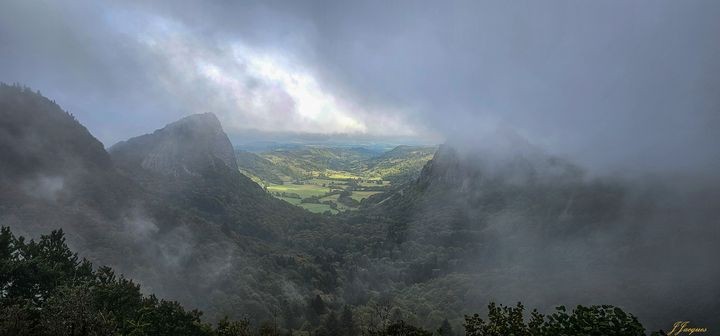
<point x="251" y="89"/>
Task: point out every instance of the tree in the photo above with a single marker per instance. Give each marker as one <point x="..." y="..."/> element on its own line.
<point x="332" y="325"/>
<point x="70" y="312"/>
<point x="583" y="321"/>
<point x="46" y="290"/>
<point x="233" y="328"/>
<point x="400" y="328"/>
<point x="347" y="323"/>
<point x="315" y="308"/>
<point x="268" y="329"/>
<point x="318" y="305"/>
<point x="445" y="329"/>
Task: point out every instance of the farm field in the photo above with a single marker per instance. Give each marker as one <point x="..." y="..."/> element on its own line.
<point x="302" y="190"/>
<point x="325" y="189"/>
<point x="331" y="179"/>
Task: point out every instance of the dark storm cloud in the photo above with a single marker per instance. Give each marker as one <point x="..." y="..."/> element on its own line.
<point x="634" y="84"/>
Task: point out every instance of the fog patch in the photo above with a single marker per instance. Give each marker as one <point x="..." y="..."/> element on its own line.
<point x="138" y="226"/>
<point x="47" y="188"/>
<point x="547" y="233"/>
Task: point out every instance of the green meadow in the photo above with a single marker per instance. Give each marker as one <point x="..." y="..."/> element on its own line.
<point x="331" y="179"/>
<point x="325" y="189"/>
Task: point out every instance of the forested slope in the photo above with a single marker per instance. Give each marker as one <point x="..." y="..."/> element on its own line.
<point x="171" y="210"/>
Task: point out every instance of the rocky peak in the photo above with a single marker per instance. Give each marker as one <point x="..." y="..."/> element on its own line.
<point x="505" y="161"/>
<point x="185" y="147"/>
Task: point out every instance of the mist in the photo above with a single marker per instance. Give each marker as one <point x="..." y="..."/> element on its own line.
<point x="615" y="85"/>
<point x="579" y="158"/>
<point x="548" y="232"/>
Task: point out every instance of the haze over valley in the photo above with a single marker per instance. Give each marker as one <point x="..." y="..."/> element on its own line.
<point x="359" y="168"/>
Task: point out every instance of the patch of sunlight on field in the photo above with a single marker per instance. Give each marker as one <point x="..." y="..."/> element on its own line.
<point x="360" y="195"/>
<point x="330" y="198"/>
<point x="314" y="187"/>
<point x="373" y="183"/>
<point x="341" y="175"/>
<point x="326" y="182"/>
<point x="303" y="190"/>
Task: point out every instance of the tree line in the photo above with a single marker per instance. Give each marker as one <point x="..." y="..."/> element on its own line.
<point x="46" y="289"/>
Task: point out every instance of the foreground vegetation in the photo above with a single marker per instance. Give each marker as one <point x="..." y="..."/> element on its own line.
<point x="45" y="289"/>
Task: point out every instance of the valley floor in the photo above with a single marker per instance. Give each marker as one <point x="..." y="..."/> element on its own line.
<point x="325" y="193"/>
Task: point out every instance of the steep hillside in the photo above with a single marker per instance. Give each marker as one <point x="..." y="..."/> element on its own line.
<point x="54" y="173"/>
<point x="187" y="227"/>
<point x="258" y="167"/>
<point x="401" y="164"/>
<point x="191" y="164"/>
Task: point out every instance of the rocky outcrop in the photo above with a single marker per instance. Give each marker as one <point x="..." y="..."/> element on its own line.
<point x="186" y="147"/>
<point x="190" y="164"/>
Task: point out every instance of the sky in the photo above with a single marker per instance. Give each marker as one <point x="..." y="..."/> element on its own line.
<point x="611" y="84"/>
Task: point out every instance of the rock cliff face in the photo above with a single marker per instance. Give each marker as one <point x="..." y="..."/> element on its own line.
<point x="190" y="164"/>
<point x="186" y="147"/>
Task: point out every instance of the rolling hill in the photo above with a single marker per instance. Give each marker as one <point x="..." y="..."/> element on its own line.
<point x="314" y="177"/>
<point x="398" y="165"/>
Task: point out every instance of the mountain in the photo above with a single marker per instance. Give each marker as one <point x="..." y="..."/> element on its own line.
<point x="191" y="164"/>
<point x="476" y="183"/>
<point x="500" y="220"/>
<point x="515" y="222"/>
<point x="188" y="227"/>
<point x="186" y="147"/>
<point x="55" y="174"/>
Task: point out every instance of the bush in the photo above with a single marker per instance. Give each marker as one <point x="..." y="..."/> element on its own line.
<point x="582" y="321"/>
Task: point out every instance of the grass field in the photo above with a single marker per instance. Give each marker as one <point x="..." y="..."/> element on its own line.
<point x="374" y="183"/>
<point x="297" y="173"/>
<point x="319" y="187"/>
<point x="360" y="195"/>
<point x="341" y="175"/>
<point x="303" y="190"/>
<point x="317" y="208"/>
